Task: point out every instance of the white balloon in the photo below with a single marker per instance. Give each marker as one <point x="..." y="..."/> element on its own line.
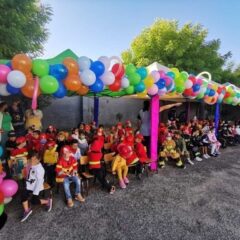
<point x="108" y="78"/>
<point x="88" y="77"/>
<point x="106" y="62"/>
<point x="162" y="91"/>
<point x="3" y="90"/>
<point x="125" y="83"/>
<point x="188" y="84"/>
<point x="7" y="200"/>
<point x="16" y="79"/>
<point x="84" y="63"/>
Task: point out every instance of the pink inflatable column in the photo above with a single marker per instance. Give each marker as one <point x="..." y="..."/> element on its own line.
<point x="154" y="131"/>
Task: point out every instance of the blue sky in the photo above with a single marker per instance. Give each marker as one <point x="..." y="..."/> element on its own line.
<point x="106" y="27"/>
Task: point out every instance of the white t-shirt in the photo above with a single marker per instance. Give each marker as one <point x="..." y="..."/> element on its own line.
<point x="145" y="122"/>
<point x="35" y="179"/>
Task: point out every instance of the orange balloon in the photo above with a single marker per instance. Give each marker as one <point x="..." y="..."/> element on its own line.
<point x="73" y="82"/>
<point x="71" y="65"/>
<point x="29" y="76"/>
<point x="22" y="63"/>
<point x="83" y="90"/>
<point x="28" y="89"/>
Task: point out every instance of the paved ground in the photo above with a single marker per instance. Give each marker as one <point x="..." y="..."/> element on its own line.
<point x="200" y="202"/>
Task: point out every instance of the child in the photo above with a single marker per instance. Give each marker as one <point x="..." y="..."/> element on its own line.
<point x="205" y="145"/>
<point x="11" y="143"/>
<point x="36" y="144"/>
<point x="75" y="150"/>
<point x="119" y="165"/>
<point x="140" y="149"/>
<point x="196" y="141"/>
<point x="61" y="141"/>
<point x="128" y="127"/>
<point x="19" y="157"/>
<point x="83" y="144"/>
<point x="88" y="133"/>
<point x="95" y="156"/>
<point x="51" y="133"/>
<point x="50" y="158"/>
<point x="215" y="144"/>
<point x="66" y="169"/>
<point x="34" y="187"/>
<point x="120" y="130"/>
<point x="29" y="138"/>
<point x="75" y="134"/>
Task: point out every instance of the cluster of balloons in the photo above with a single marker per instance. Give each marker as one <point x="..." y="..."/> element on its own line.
<point x="232" y="95"/>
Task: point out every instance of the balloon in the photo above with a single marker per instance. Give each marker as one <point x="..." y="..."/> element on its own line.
<point x="211" y="93"/>
<point x="162" y="91"/>
<point x="49" y="84"/>
<point x="175" y="71"/>
<point x="4" y="71"/>
<point x="98" y="68"/>
<point x="115" y="87"/>
<point x="1" y="197"/>
<point x="1" y="209"/>
<point x="9" y="64"/>
<point x="59" y="71"/>
<point x="149" y="81"/>
<point x="98" y="86"/>
<point x="3" y="90"/>
<point x="129" y="90"/>
<point x="125" y="82"/>
<point x="184" y="75"/>
<point x="16" y="79"/>
<point x="168" y="81"/>
<point x="171" y="74"/>
<point x="72" y="82"/>
<point x="28" y="89"/>
<point x="40" y="67"/>
<point x="61" y="92"/>
<point x="228" y="100"/>
<point x="22" y="63"/>
<point x="108" y="78"/>
<point x="130" y="68"/>
<point x="142" y="94"/>
<point x="188" y="84"/>
<point x="8" y="187"/>
<point x="84" y="63"/>
<point x="140" y="87"/>
<point x="105" y="61"/>
<point x="29" y="76"/>
<point x="210" y="100"/>
<point x="71" y="65"/>
<point x="180" y="89"/>
<point x="156" y="75"/>
<point x="83" y="90"/>
<point x="161" y="83"/>
<point x="88" y="77"/>
<point x="153" y="90"/>
<point x="134" y="78"/>
<point x="118" y="70"/>
<point x="1" y="150"/>
<point x="162" y="74"/>
<point x="142" y="71"/>
<point x="7" y="200"/>
<point x="196" y="87"/>
<point x="188" y="92"/>
<point x="12" y="90"/>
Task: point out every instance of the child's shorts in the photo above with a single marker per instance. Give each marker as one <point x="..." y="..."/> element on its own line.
<point x="27" y="195"/>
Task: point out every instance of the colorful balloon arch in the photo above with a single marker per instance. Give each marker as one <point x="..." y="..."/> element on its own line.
<point x="68" y="74"/>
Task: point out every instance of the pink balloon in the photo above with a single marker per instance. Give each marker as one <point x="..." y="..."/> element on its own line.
<point x="4" y="71"/>
<point x="199" y="81"/>
<point x="168" y="81"/>
<point x="162" y="74"/>
<point x="8" y="187"/>
<point x="153" y="90"/>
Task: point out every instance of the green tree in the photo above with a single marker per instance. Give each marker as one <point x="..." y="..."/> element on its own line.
<point x="185" y="48"/>
<point x="22" y="27"/>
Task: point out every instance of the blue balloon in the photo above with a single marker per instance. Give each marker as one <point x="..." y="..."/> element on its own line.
<point x="196" y="87"/>
<point x="59" y="71"/>
<point x="98" y="68"/>
<point x="161" y="83"/>
<point x="61" y="92"/>
<point x="211" y="93"/>
<point x="12" y="90"/>
<point x="98" y="86"/>
<point x="171" y="74"/>
<point x="9" y="64"/>
<point x="1" y="150"/>
<point x="142" y="71"/>
<point x="140" y="87"/>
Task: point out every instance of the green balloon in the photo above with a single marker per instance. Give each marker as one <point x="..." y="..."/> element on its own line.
<point x="130" y="68"/>
<point x="1" y="209"/>
<point x="40" y="67"/>
<point x="129" y="90"/>
<point x="49" y="84"/>
<point x="134" y="79"/>
<point x="180" y="88"/>
<point x="200" y="95"/>
<point x="184" y="75"/>
<point x="228" y="100"/>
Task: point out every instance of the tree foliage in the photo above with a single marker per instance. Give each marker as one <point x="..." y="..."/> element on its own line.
<point x="183" y="47"/>
<point x="22" y="27"/>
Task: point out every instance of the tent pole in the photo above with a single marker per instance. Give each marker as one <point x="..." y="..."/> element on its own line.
<point x="188" y="110"/>
<point x="154" y="113"/>
<point x="217" y="118"/>
<point x="96" y="109"/>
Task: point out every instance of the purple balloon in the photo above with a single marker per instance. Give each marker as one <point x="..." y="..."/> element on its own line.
<point x="8" y="187"/>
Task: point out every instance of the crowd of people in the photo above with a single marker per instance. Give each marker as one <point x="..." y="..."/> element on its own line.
<point x="36" y="156"/>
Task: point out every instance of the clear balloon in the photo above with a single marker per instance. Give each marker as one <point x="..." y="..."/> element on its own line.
<point x="84" y="63"/>
<point x="155" y="75"/>
<point x="106" y="62"/>
<point x="88" y="77"/>
<point x="16" y="79"/>
<point x="108" y="78"/>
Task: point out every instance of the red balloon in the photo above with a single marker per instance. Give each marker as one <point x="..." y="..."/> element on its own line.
<point x="227" y="94"/>
<point x="115" y="87"/>
<point x="118" y="70"/>
<point x="188" y="92"/>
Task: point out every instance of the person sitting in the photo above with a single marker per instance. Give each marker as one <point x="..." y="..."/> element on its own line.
<point x="61" y="141"/>
<point x="215" y="144"/>
<point x="67" y="172"/>
<point x="75" y="150"/>
<point x="51" y="133"/>
<point x="196" y="141"/>
<point x="34" y="187"/>
<point x="83" y="144"/>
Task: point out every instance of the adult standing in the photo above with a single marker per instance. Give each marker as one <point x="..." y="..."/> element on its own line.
<point x="17" y="115"/>
<point x="33" y="118"/>
<point x="5" y="125"/>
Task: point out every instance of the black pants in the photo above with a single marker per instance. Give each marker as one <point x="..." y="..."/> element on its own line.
<point x="147" y="142"/>
<point x="27" y="195"/>
<point x="99" y="174"/>
<point x="50" y="174"/>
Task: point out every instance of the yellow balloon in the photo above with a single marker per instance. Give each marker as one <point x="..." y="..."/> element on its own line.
<point x="142" y="94"/>
<point x="176" y="71"/>
<point x="148" y="81"/>
<point x="214" y="87"/>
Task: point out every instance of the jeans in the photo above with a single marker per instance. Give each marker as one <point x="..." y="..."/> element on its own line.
<point x="66" y="184"/>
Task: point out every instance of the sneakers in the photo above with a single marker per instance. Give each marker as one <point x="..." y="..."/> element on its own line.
<point x="122" y="184"/>
<point x="205" y="156"/>
<point x="126" y="180"/>
<point x="190" y="161"/>
<point x="70" y="203"/>
<point x="80" y="198"/>
<point x="49" y="205"/>
<point x="198" y="159"/>
<point x="26" y="215"/>
<point x="213" y="155"/>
